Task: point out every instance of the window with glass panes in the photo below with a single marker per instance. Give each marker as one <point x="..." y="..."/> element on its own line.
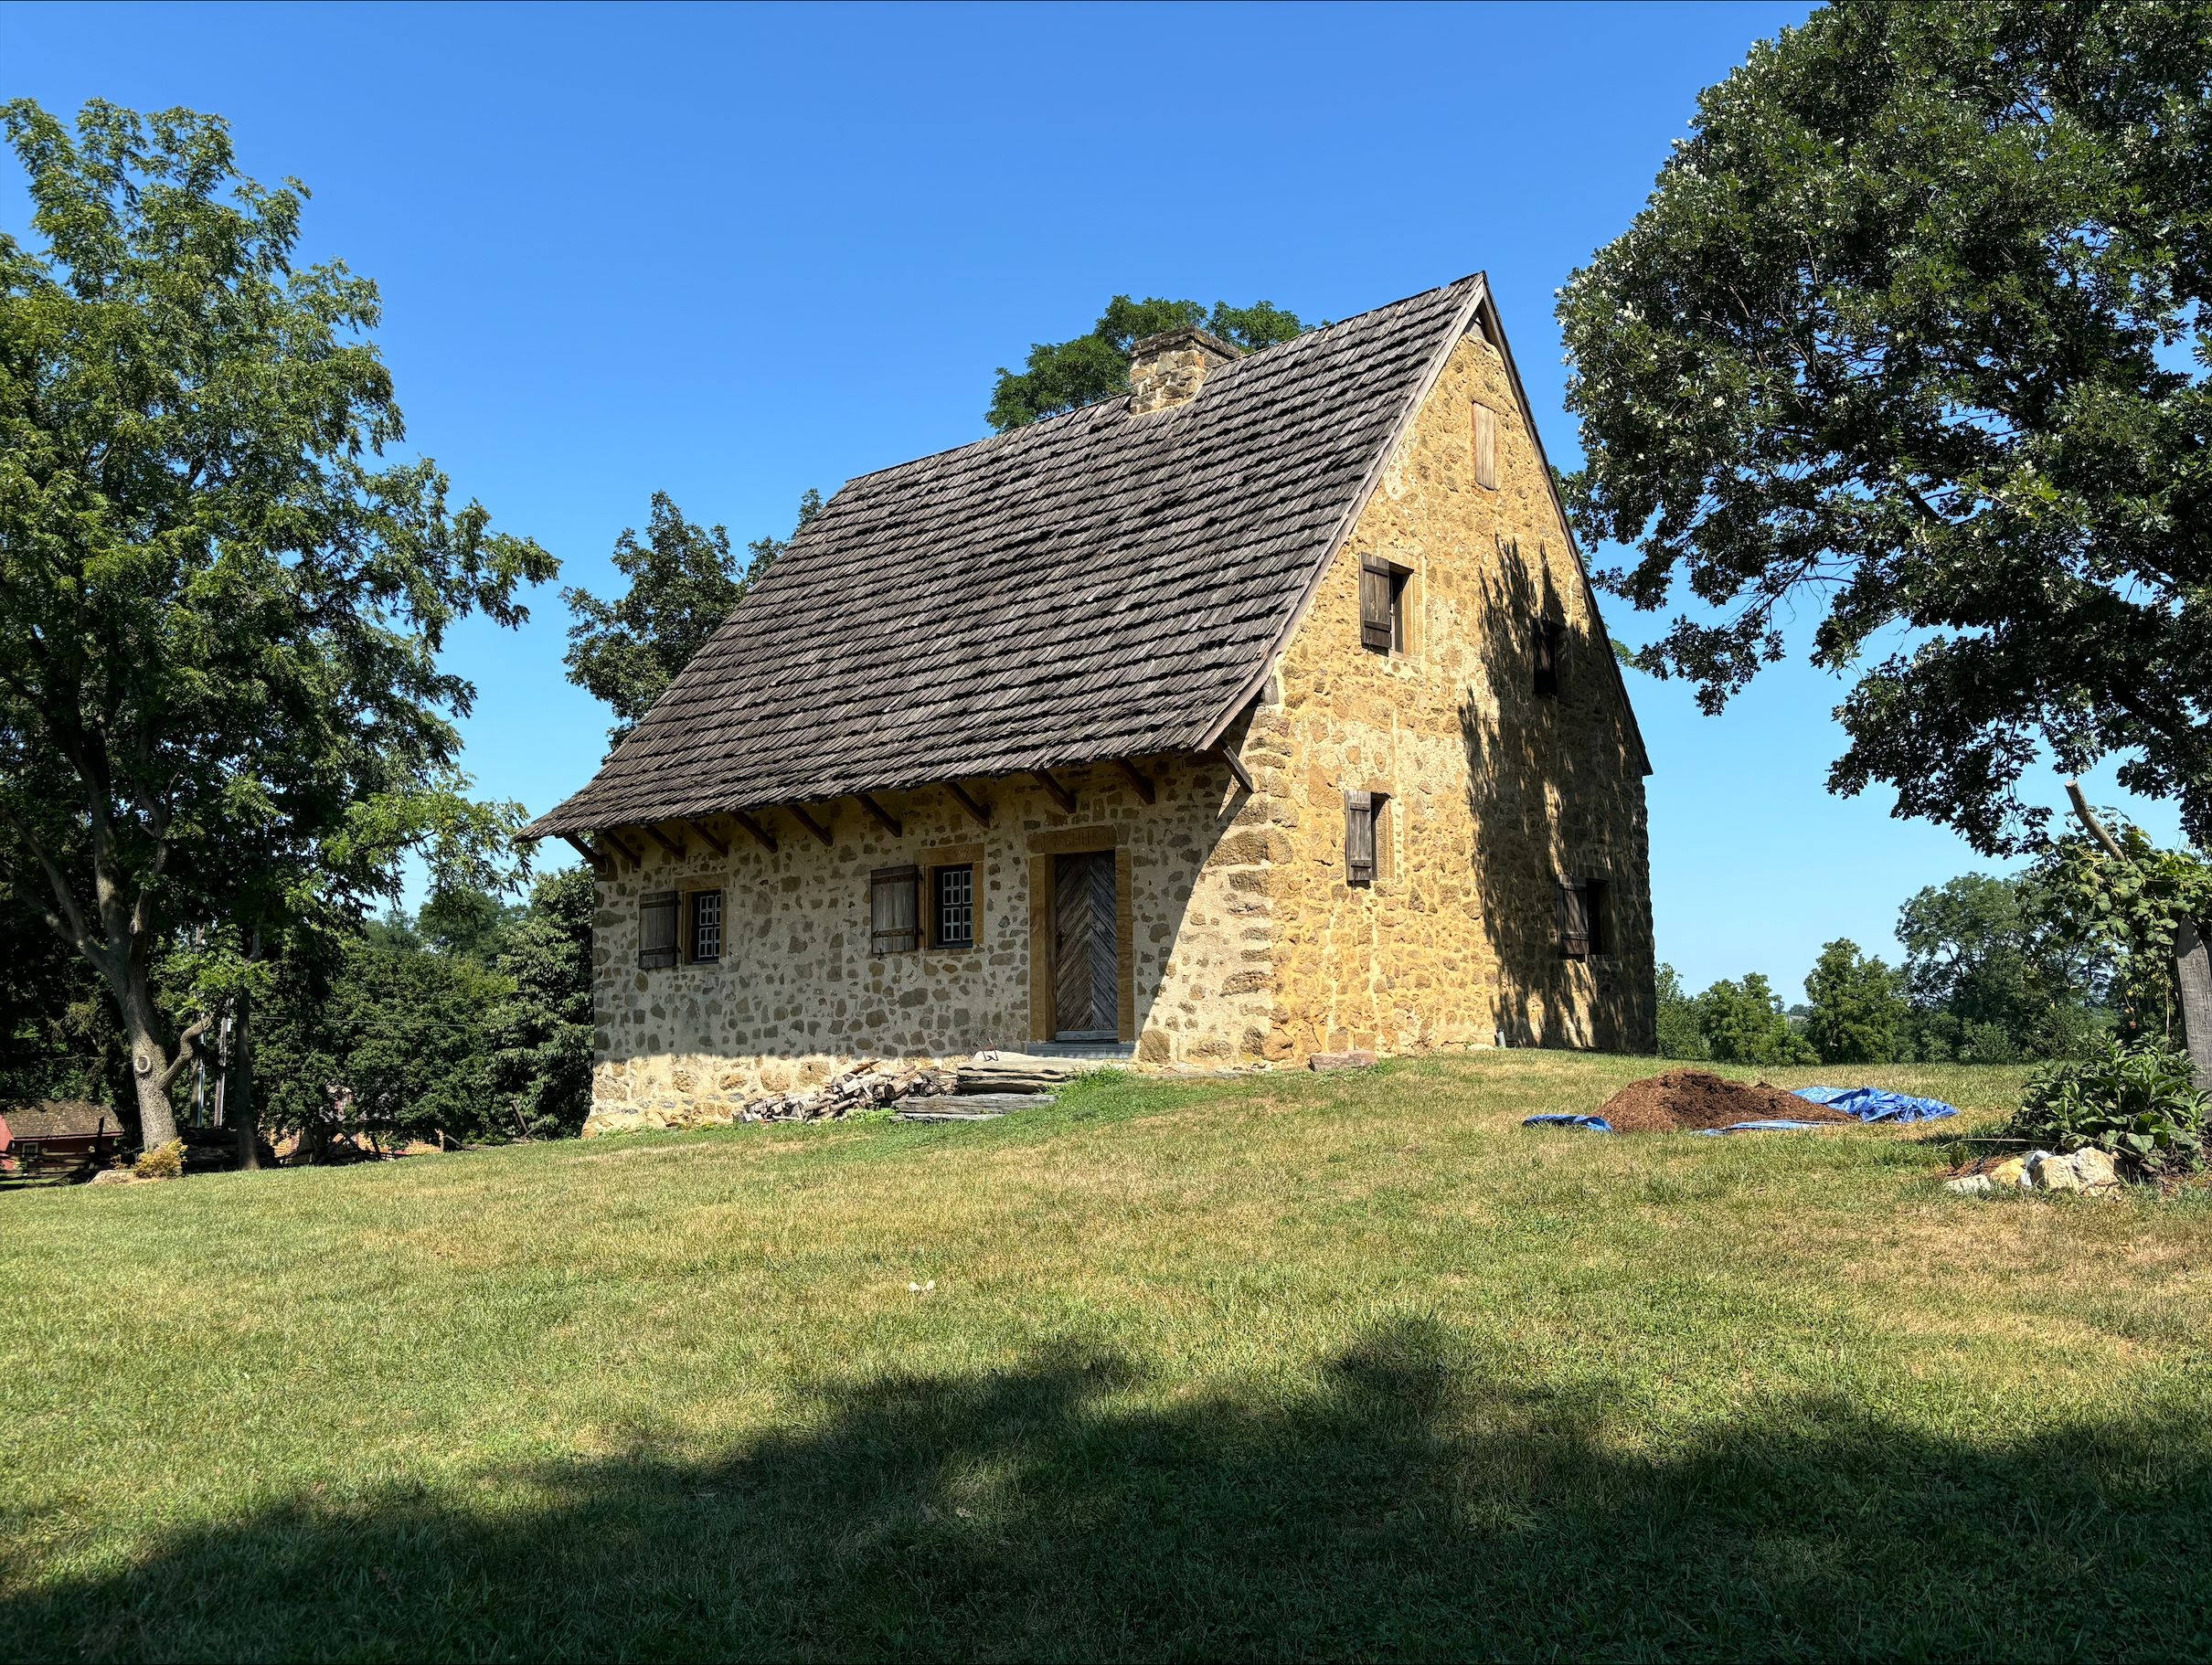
<point x="706" y="927"/>
<point x="952" y="906"/>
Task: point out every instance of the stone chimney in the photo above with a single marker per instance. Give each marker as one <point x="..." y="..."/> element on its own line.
<point x="1167" y="369"/>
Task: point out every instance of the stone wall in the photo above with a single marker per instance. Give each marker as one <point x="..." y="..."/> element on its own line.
<point x="1240" y="938"/>
<point x="1495" y="792"/>
<point x="798" y="993"/>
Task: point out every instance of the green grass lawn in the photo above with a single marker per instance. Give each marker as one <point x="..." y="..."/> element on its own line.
<point x="1294" y="1365"/>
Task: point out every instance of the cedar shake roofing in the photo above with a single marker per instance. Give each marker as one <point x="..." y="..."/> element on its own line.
<point x="1095" y="586"/>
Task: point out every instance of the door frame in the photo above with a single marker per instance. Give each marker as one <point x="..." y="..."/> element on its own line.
<point x="1079" y="841"/>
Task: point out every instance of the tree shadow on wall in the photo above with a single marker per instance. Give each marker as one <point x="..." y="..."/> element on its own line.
<point x="1406" y="1502"/>
<point x="1528" y="752"/>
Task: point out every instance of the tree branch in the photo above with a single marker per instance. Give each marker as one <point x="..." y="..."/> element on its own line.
<point x="2089" y="819"/>
<point x="186" y="1049"/>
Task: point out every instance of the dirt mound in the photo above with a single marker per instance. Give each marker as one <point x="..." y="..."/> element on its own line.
<point x="1684" y="1098"/>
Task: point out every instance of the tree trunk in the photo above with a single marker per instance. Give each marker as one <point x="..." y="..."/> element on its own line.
<point x="150" y="1075"/>
<point x="2193" y="977"/>
<point x="239" y="1102"/>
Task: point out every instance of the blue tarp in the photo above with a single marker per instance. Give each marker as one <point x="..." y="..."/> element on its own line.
<point x="1878" y="1103"/>
<point x="1867" y="1103"/>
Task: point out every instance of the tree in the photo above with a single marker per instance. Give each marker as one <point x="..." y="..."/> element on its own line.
<point x="1912" y="328"/>
<point x="1743" y="1023"/>
<point x="220" y="609"/>
<point x="1679" y="1035"/>
<point x="1062" y="376"/>
<point x="1857" y="1006"/>
<point x="684" y="580"/>
<point x="1990" y="977"/>
<point x="542" y="1032"/>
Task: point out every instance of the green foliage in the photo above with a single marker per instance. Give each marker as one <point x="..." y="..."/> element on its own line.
<point x="1857" y="1007"/>
<point x="472" y="1020"/>
<point x="220" y="610"/>
<point x="683" y="579"/>
<point x="2128" y="909"/>
<point x="2136" y="1103"/>
<point x="1063" y="375"/>
<point x="542" y="1031"/>
<point x="1679" y="1035"/>
<point x="1912" y="328"/>
<point x="1992" y="975"/>
<point x="1744" y="1022"/>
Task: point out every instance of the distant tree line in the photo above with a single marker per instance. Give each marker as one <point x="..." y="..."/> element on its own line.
<point x="1996" y="971"/>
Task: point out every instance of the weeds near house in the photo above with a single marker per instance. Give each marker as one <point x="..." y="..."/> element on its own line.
<point x="1300" y="1365"/>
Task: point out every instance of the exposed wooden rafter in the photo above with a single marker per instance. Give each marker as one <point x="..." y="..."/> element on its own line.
<point x="1059" y="793"/>
<point x="766" y="839"/>
<point x="1236" y="765"/>
<point x="974" y="806"/>
<point x="599" y="863"/>
<point x="630" y="852"/>
<point x="1139" y="779"/>
<point x="708" y="839"/>
<point x="674" y="847"/>
<point x="890" y="823"/>
<point x="799" y="814"/>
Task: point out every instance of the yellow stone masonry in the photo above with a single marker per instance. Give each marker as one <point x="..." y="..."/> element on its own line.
<point x="1241" y="940"/>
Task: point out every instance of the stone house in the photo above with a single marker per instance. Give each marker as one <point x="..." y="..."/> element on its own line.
<point x="1264" y="712"/>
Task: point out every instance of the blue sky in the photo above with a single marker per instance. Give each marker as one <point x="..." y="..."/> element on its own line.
<point x="735" y="253"/>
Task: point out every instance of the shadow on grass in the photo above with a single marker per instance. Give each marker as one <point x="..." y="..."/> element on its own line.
<point x="1406" y="1504"/>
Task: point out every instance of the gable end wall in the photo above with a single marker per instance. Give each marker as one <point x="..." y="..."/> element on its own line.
<point x="1495" y="793"/>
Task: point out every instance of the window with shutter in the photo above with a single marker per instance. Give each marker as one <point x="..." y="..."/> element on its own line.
<point x="656" y="929"/>
<point x="1551" y="635"/>
<point x="1486" y="448"/>
<point x="894" y="909"/>
<point x="706" y="927"/>
<point x="1574" y="920"/>
<point x="1359" y="850"/>
<point x="1374" y="609"/>
<point x="952" y="906"/>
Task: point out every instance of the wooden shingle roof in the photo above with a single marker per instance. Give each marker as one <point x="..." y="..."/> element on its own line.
<point x="1099" y="584"/>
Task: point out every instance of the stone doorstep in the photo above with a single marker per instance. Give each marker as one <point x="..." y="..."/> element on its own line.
<point x="968" y="1106"/>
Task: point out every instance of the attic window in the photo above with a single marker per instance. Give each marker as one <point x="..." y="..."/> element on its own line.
<point x="1382" y="606"/>
<point x="656" y="929"/>
<point x="1486" y="448"/>
<point x="894" y="909"/>
<point x="1549" y="639"/>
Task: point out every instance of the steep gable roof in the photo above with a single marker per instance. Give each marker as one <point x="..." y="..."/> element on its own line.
<point x="1099" y="584"/>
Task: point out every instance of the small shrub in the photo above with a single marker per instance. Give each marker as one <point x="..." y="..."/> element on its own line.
<point x="2137" y="1104"/>
<point x="161" y="1163"/>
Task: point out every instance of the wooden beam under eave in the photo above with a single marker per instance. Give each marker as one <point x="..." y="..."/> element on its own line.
<point x="599" y="863"/>
<point x="1236" y="765"/>
<point x="799" y="814"/>
<point x="766" y="839"/>
<point x="634" y="857"/>
<point x="674" y="847"/>
<point x="890" y="823"/>
<point x="1059" y="794"/>
<point x="1139" y="779"/>
<point x="975" y="807"/>
<point x="708" y="839"/>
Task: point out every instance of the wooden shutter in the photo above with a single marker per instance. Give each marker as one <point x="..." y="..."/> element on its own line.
<point x="1546" y="641"/>
<point x="1574" y="920"/>
<point x="1359" y="838"/>
<point x="894" y="909"/>
<point x="1375" y="605"/>
<point x="656" y="928"/>
<point x="1486" y="448"/>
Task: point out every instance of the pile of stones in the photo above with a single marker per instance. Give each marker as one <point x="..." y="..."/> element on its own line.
<point x="2091" y="1172"/>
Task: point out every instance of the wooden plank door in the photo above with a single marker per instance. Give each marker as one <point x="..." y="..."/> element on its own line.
<point x="1086" y="957"/>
